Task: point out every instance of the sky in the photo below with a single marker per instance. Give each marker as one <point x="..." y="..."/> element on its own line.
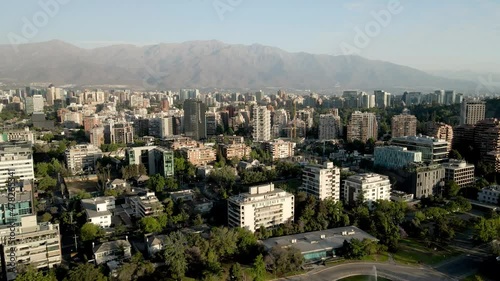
<point x="425" y="34"/>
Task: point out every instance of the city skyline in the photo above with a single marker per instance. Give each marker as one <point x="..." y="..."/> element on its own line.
<point x="402" y="38"/>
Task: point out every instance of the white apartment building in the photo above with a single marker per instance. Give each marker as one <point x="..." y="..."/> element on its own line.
<point x="262" y="206"/>
<point x="82" y="157"/>
<point x="36" y="244"/>
<point x="373" y="187"/>
<point x="489" y="195"/>
<point x="395" y="157"/>
<point x="280" y="149"/>
<point x="322" y="181"/>
<point x="460" y="172"/>
<point x="16" y="158"/>
<point x="261" y="123"/>
<point x="330" y="127"/>
<point x="17" y="135"/>
<point x="98" y="210"/>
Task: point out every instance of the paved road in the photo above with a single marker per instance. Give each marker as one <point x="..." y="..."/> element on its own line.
<point x="390" y="271"/>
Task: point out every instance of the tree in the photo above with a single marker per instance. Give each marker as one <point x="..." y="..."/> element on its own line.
<point x="42" y="169"/>
<point x="156" y="182"/>
<point x="46" y="217"/>
<point x="32" y="274"/>
<point x="90" y="231"/>
<point x="149" y="225"/>
<point x="235" y="272"/>
<point x="353" y="249"/>
<point x="451" y="188"/>
<point x="171" y="184"/>
<point x="174" y="254"/>
<point x="47" y="183"/>
<point x="259" y="268"/>
<point x="85" y="272"/>
<point x="454" y="154"/>
<point x="135" y="269"/>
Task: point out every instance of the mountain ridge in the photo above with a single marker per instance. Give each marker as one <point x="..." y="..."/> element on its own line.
<point x="207" y="64"/>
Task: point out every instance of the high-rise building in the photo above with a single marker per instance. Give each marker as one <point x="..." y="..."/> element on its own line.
<point x="382" y="99"/>
<point x="263" y="206"/>
<point x="395" y="157"/>
<point x="472" y="112"/>
<point x="34" y="104"/>
<point x="36" y="244"/>
<point x="82" y="158"/>
<point x="449" y="97"/>
<point x="212" y="123"/>
<point x="460" y="172"/>
<point x="123" y="133"/>
<point x="16" y="158"/>
<point x="194" y="119"/>
<point x="51" y="95"/>
<point x="362" y="126"/>
<point x="322" y="181"/>
<point x="433" y="150"/>
<point x="439" y="96"/>
<point x="261" y="123"/>
<point x="166" y="127"/>
<point x="156" y="159"/>
<point x="404" y="125"/>
<point x="96" y="136"/>
<point x="330" y="127"/>
<point x="370" y="187"/>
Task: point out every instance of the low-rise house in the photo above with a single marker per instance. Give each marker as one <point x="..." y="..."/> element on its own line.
<point x="489" y="195"/>
<point x="117" y="183"/>
<point x="112" y="251"/>
<point x="98" y="210"/>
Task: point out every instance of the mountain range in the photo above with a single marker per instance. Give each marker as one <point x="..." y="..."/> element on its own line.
<point x="208" y="64"/>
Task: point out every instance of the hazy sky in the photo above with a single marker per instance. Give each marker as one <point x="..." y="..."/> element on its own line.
<point x="426" y="34"/>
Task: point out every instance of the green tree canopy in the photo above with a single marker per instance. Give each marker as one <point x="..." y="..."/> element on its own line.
<point x="90" y="231"/>
<point x="149" y="225"/>
<point x="85" y="272"/>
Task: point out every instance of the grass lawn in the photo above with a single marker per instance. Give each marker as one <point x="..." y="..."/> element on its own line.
<point x="376" y="257"/>
<point x="413" y="252"/>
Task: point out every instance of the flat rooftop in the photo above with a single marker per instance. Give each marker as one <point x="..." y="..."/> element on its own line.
<point x="317" y="241"/>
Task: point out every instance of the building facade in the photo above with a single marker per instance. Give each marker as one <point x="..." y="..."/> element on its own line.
<point x="362" y="126"/>
<point x="489" y="195"/>
<point x="395" y="157"/>
<point x="460" y="172"/>
<point x="472" y="112"/>
<point x="369" y="186"/>
<point x="236" y="150"/>
<point x="280" y="149"/>
<point x="426" y="180"/>
<point x="82" y="158"/>
<point x="263" y="205"/>
<point x="16" y="158"/>
<point x="440" y="131"/>
<point x="330" y="127"/>
<point x="404" y="125"/>
<point x="321" y="181"/>
<point x="261" y="123"/>
<point x="433" y="150"/>
<point x="156" y="159"/>
<point x="195" y="125"/>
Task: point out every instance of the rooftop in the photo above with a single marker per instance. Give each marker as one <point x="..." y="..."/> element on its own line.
<point x="111" y="246"/>
<point x="316" y="241"/>
<point x="94" y="214"/>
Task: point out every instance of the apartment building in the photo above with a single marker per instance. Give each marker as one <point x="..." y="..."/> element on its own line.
<point x="321" y="181"/>
<point x="440" y="131"/>
<point x="426" y="180"/>
<point x="17" y="136"/>
<point x="330" y="127"/>
<point x="145" y="205"/>
<point x="16" y="158"/>
<point x="261" y="124"/>
<point x="35" y="244"/>
<point x="82" y="158"/>
<point x="156" y="159"/>
<point x="195" y="125"/>
<point x="362" y="126"/>
<point x="460" y="172"/>
<point x="395" y="157"/>
<point x="433" y="150"/>
<point x="369" y="186"/>
<point x="404" y="124"/>
<point x="263" y="205"/>
<point x="236" y="150"/>
<point x="472" y="111"/>
<point x="199" y="156"/>
<point x="280" y="149"/>
<point x="490" y="195"/>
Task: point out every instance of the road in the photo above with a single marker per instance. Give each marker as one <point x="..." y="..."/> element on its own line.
<point x="387" y="270"/>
